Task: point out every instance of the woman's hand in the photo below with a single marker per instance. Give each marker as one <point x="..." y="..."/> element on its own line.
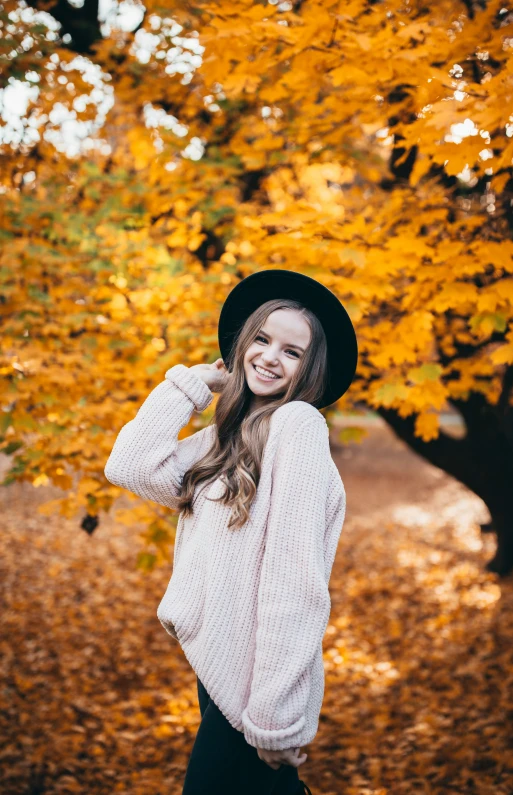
<point x="289" y="756"/>
<point x="214" y="375"/>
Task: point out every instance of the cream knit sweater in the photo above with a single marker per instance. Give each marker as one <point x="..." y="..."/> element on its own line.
<point x="249" y="607"/>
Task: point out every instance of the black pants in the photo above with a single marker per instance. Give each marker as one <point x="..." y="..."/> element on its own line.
<point x="223" y="762"/>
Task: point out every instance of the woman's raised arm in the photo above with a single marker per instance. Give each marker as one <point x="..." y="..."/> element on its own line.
<point x="147" y="457"/>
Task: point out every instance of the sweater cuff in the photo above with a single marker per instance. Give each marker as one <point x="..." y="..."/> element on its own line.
<point x="191" y="385"/>
<point x="272" y="739"/>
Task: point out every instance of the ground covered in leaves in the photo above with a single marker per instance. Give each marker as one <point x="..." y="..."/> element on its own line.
<point x="95" y="697"/>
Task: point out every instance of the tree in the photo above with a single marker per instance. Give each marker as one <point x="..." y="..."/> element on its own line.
<point x="367" y="144"/>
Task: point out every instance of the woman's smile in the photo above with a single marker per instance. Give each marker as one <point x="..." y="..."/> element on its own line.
<point x="261" y="374"/>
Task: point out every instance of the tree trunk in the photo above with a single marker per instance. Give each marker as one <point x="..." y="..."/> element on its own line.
<point x="502" y="525"/>
<point x="482" y="460"/>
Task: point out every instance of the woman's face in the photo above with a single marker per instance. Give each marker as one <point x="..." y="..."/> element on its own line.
<point x="277" y="349"/>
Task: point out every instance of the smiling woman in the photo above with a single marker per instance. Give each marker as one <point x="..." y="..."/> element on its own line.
<point x="279" y="355"/>
<point x="272" y="360"/>
<point x="248" y="599"/>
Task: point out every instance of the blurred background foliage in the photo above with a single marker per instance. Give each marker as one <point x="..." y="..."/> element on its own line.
<point x="152" y="156"/>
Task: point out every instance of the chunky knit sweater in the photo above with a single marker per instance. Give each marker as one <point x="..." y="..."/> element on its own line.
<point x="249" y="607"/>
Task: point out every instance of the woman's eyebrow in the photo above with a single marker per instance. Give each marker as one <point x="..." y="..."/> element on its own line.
<point x="288" y="344"/>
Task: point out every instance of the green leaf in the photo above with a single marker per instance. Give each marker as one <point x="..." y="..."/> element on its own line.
<point x="146" y="561"/>
<point x="116" y="344"/>
<point x="5" y="421"/>
<point x="351" y="434"/>
<point x="388" y="393"/>
<point x="426" y="372"/>
<point x="497" y="320"/>
<point x="37" y="294"/>
<point x="11" y="448"/>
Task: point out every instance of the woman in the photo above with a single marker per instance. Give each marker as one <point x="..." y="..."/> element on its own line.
<point x="261" y="507"/>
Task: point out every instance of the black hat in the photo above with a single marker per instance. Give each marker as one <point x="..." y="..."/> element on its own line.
<point x="257" y="288"/>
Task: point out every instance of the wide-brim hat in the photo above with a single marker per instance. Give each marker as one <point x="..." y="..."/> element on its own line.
<point x="257" y="288"/>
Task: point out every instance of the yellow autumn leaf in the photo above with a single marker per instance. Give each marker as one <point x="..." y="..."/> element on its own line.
<point x="427" y="425"/>
<point x="178" y="238"/>
<point x="195" y="241"/>
<point x="503" y="354"/>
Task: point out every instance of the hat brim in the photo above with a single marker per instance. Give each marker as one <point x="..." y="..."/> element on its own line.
<point x="257" y="288"/>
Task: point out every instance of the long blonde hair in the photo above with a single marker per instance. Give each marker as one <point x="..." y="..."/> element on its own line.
<point x="239" y="442"/>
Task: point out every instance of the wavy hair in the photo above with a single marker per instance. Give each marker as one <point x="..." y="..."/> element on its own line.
<point x="240" y="438"/>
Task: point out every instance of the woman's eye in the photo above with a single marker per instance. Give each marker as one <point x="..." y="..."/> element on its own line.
<point x="296" y="354"/>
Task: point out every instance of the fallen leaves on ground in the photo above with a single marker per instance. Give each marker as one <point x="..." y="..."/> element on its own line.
<point x="95" y="697"/>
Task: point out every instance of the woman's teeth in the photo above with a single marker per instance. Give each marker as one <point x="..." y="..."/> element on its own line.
<point x="264" y="375"/>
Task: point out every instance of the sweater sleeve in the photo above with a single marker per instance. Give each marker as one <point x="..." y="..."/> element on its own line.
<point x="293" y="598"/>
<point x="147" y="457"/>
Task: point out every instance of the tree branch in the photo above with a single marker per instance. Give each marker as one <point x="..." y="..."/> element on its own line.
<point x="81" y="24"/>
<point x="447" y="453"/>
<point x="507" y="385"/>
